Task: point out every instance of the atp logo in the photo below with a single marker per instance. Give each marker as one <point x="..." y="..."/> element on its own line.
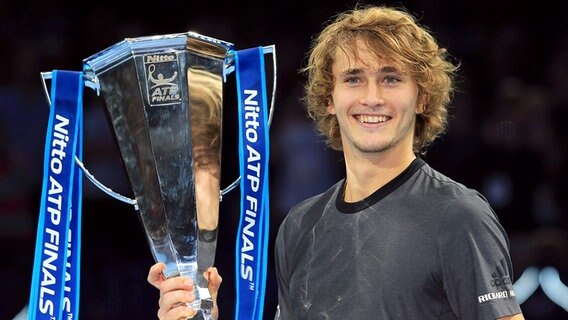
<point x="162" y="79"/>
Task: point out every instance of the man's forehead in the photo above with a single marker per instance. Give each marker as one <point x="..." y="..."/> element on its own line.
<point x="359" y="56"/>
<point x="345" y="62"/>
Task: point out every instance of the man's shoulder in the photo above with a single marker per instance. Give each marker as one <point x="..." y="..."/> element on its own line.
<point x="313" y="200"/>
<point x="312" y="205"/>
<point x="438" y="183"/>
<point x="293" y="232"/>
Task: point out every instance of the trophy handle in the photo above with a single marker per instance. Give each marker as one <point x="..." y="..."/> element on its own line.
<point x="93" y="83"/>
<point x="266" y="49"/>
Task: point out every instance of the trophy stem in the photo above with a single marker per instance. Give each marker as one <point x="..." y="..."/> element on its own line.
<point x="203" y="301"/>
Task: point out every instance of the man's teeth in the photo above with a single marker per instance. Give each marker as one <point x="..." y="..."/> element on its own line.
<point x="372" y="119"/>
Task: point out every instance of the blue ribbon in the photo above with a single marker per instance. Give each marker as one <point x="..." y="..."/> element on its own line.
<point x="55" y="279"/>
<point x="252" y="237"/>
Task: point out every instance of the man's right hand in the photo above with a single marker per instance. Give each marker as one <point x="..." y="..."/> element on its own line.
<point x="177" y="292"/>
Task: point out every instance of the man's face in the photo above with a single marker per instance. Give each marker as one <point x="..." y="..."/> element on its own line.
<point x="374" y="102"/>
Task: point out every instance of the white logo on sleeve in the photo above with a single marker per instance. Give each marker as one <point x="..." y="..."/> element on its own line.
<point x="496" y="296"/>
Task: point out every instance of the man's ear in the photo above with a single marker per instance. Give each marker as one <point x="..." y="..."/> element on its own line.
<point x="330" y="106"/>
<point x="421" y="107"/>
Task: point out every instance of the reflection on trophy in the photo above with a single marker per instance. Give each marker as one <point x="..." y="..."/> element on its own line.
<point x="205" y="103"/>
<point x="164" y="95"/>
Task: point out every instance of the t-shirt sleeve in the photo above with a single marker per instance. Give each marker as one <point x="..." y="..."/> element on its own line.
<point x="284" y="309"/>
<point x="476" y="266"/>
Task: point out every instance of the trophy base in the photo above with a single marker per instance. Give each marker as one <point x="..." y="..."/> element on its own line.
<point x="204" y="309"/>
<point x="203" y="302"/>
<point x="206" y="304"/>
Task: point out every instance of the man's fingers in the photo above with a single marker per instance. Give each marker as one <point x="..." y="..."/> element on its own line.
<point x="155" y="275"/>
<point x="173" y="299"/>
<point x="213" y="278"/>
<point x="179" y="312"/>
<point x="176" y="283"/>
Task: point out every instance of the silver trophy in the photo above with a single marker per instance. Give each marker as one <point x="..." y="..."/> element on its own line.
<point x="164" y="97"/>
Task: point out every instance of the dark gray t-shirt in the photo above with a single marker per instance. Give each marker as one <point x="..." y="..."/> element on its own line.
<point x="421" y="247"/>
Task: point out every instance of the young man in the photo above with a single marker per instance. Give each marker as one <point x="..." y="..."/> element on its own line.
<point x="395" y="239"/>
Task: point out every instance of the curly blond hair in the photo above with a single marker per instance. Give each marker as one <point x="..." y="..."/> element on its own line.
<point x="394" y="35"/>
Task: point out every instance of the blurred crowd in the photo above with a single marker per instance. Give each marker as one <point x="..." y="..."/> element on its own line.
<point x="506" y="137"/>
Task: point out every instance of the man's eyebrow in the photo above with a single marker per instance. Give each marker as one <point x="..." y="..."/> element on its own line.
<point x="389" y="69"/>
<point x="351" y="71"/>
<point x="385" y="69"/>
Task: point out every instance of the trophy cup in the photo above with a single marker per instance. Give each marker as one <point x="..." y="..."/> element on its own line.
<point x="164" y="97"/>
<point x="163" y="94"/>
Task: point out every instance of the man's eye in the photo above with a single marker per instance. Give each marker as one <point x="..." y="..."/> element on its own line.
<point x="391" y="79"/>
<point x="352" y="80"/>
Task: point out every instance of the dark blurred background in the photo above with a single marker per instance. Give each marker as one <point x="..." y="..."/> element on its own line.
<point x="506" y="136"/>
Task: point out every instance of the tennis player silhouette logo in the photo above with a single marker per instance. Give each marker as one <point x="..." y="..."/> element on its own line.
<point x="163" y="81"/>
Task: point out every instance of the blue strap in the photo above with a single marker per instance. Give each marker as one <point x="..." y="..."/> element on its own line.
<point x="72" y="276"/>
<point x="252" y="238"/>
<point x="55" y="279"/>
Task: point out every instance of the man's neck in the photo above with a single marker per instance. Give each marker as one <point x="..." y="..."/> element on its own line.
<point x="365" y="175"/>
